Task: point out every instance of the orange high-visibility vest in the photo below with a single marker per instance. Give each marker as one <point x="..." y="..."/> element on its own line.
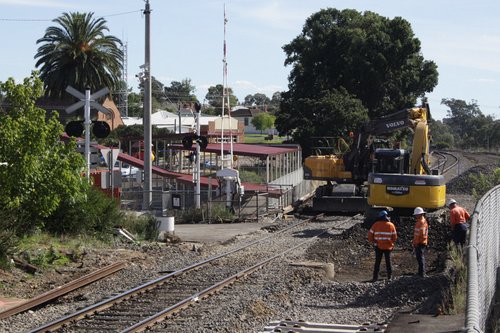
<point x="458" y="215"/>
<point x="383" y="234"/>
<point x="420" y="232"/>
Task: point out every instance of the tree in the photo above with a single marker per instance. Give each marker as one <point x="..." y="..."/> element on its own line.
<point x="274" y="105"/>
<point x="158" y="98"/>
<point x="362" y="56"/>
<point x="263" y="120"/>
<point x="180" y="92"/>
<point x="78" y="53"/>
<point x="442" y="136"/>
<point x="135" y="105"/>
<point x="214" y="98"/>
<point x="470" y="126"/>
<point x="258" y="100"/>
<point x="38" y="170"/>
<point x="332" y="113"/>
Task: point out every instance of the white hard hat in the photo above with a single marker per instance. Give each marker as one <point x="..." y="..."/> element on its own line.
<point x="450" y="202"/>
<point x="418" y="211"/>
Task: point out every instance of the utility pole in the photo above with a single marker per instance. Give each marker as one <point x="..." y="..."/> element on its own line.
<point x="197" y="194"/>
<point x="147" y="194"/>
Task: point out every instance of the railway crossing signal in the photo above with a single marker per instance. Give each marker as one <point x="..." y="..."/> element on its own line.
<point x="87" y="100"/>
<point x="188" y="141"/>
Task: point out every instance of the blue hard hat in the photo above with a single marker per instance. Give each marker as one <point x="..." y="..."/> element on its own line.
<point x="382" y="213"/>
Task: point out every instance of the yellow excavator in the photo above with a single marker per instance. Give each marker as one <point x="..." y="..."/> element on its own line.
<point x="372" y="172"/>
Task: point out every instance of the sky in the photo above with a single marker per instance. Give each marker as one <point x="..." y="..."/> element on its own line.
<point x="461" y="37"/>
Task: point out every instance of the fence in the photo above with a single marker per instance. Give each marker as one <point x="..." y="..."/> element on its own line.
<point x="251" y="205"/>
<point x="483" y="261"/>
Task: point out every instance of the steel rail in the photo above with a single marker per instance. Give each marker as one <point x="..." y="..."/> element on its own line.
<point x="107" y="303"/>
<point x="160" y="316"/>
<point x="451" y="165"/>
<point x="64" y="289"/>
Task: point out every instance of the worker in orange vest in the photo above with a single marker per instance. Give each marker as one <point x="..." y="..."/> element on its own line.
<point x="458" y="221"/>
<point x="383" y="236"/>
<point x="420" y="238"/>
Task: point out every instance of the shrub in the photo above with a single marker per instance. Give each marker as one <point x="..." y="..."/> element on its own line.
<point x="482" y="183"/>
<point x="143" y="226"/>
<point x="95" y="215"/>
<point x="8" y="237"/>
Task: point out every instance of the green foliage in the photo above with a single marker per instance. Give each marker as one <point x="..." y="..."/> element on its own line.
<point x="180" y="92"/>
<point x="471" y="128"/>
<point x="482" y="183"/>
<point x="360" y="56"/>
<point x="258" y="100"/>
<point x="214" y="98"/>
<point x="135" y="108"/>
<point x="263" y="121"/>
<point x="192" y="215"/>
<point x="8" y="236"/>
<point x="152" y="228"/>
<point x="261" y="138"/>
<point x="331" y="113"/>
<point x="40" y="170"/>
<point x="48" y="257"/>
<point x="455" y="304"/>
<point x="251" y="177"/>
<point x="94" y="214"/>
<point x="219" y="212"/>
<point x="78" y="53"/>
<point x="442" y="136"/>
<point x="44" y="250"/>
<point x="143" y="226"/>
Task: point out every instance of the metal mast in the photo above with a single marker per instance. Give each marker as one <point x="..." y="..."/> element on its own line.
<point x="225" y="102"/>
<point x="147" y="194"/>
<point x="224" y="78"/>
<point x="124" y="91"/>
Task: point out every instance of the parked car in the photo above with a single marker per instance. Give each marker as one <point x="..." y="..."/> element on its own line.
<point x="128" y="170"/>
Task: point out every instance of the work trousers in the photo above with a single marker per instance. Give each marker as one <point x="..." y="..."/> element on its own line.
<point x="460" y="234"/>
<point x="420" y="254"/>
<point x="378" y="259"/>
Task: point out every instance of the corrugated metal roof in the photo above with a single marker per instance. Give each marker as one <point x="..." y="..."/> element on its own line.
<point x="245" y="149"/>
<point x="188" y="178"/>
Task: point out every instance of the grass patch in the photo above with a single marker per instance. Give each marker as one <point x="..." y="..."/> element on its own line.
<point x="261" y="138"/>
<point x="456" y="302"/>
<point x="251" y="177"/>
<point x="46" y="251"/>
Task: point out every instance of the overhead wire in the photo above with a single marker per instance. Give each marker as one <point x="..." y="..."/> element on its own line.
<point x="50" y="20"/>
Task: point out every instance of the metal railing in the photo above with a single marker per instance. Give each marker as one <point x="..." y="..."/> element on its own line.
<point x="483" y="261"/>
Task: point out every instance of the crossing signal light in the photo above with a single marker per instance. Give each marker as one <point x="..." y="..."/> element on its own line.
<point x="187" y="141"/>
<point x="101" y="129"/>
<point x="74" y="128"/>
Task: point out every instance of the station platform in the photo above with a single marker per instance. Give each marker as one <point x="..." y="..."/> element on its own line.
<point x="206" y="233"/>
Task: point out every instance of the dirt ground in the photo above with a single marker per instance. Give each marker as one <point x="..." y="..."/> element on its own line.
<point x="354" y="257"/>
<point x="350" y="252"/>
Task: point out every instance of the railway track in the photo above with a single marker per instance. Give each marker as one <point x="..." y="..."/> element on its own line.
<point x="447" y="162"/>
<point x="146" y="305"/>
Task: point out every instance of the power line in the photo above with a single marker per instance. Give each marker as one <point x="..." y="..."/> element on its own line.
<point x="49" y="20"/>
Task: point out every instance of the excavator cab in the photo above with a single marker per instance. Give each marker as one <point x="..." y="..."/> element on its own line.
<point x="391" y="160"/>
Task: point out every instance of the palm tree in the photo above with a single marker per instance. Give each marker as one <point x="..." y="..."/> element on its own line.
<point x="79" y="54"/>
